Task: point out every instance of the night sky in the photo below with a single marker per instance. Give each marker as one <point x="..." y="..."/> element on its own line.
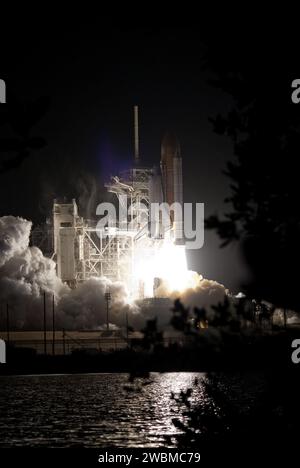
<point x="93" y="78"/>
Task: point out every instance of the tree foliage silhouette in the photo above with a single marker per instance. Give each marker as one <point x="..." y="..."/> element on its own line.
<point x="263" y="207"/>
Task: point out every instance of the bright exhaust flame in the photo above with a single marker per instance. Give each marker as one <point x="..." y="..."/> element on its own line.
<point x="166" y="262"/>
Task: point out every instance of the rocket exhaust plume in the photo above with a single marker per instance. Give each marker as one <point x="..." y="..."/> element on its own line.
<point x="25" y="274"/>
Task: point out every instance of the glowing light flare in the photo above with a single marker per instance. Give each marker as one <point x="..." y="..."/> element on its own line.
<point x="171" y="266"/>
<point x="166" y="262"/>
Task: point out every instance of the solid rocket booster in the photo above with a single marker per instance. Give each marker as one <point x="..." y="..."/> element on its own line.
<point x="171" y="169"/>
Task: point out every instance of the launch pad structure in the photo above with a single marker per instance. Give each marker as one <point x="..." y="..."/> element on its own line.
<point x="82" y="250"/>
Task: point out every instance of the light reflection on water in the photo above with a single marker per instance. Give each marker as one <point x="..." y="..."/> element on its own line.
<point x="91" y="410"/>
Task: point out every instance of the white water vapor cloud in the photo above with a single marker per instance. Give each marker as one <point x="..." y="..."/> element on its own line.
<point x="26" y="274"/>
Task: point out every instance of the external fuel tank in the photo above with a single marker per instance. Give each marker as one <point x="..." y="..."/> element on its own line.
<point x="171" y="170"/>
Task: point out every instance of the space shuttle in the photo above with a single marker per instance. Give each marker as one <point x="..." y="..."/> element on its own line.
<point x="165" y="185"/>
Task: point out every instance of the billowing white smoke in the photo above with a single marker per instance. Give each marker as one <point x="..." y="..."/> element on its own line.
<point x="202" y="293"/>
<point x="14" y="236"/>
<point x="25" y="274"/>
<point x="85" y="306"/>
<point x="199" y="292"/>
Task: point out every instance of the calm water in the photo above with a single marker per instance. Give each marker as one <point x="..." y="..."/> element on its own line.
<point x="90" y="410"/>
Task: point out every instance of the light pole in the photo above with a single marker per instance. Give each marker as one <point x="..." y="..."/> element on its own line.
<point x="107" y="296"/>
<point x="53" y="326"/>
<point x="7" y="324"/>
<point x="127" y="327"/>
<point x="45" y="326"/>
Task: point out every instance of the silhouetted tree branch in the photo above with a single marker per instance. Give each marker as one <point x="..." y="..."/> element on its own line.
<point x="263" y="208"/>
